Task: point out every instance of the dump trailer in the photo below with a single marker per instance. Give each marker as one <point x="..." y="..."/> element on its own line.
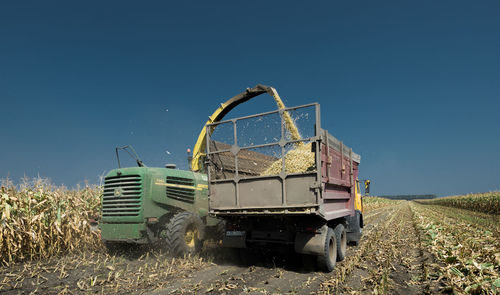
<point x="282" y="182"/>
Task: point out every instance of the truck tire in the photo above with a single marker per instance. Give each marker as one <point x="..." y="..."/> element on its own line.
<point x="341" y="239"/>
<point x="220" y="230"/>
<point x="184" y="234"/>
<point x="327" y="259"/>
<point x="216" y="232"/>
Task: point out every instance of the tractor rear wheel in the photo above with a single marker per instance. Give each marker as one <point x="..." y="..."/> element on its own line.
<point x="327" y="259"/>
<point x="184" y="234"/>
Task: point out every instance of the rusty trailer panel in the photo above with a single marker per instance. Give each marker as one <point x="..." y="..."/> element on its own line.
<point x="253" y="160"/>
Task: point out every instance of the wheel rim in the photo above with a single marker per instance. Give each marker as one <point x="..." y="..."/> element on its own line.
<point x="191" y="236"/>
<point x="332" y="249"/>
<point x="343" y="240"/>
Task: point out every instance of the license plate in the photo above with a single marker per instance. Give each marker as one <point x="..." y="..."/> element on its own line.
<point x="234" y="233"/>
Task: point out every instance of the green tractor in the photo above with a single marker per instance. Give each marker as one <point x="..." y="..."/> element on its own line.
<point x="167" y="206"/>
<point x="143" y="205"/>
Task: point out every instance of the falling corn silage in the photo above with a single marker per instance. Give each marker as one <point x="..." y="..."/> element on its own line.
<point x="298" y="160"/>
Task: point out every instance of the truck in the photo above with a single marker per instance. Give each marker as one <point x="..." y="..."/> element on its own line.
<point x="282" y="182"/>
<point x="164" y="205"/>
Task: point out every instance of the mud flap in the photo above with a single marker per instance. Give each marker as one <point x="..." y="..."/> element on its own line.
<point x="354" y="225"/>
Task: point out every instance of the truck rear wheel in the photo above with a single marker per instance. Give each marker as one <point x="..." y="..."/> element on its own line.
<point x="184" y="234"/>
<point x="341" y="237"/>
<point x="327" y="259"/>
<point x="220" y="230"/>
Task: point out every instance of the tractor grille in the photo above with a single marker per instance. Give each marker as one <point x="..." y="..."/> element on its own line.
<point x="122" y="196"/>
<point x="180" y="192"/>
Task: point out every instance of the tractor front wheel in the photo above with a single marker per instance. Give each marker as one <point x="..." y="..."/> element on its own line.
<point x="184" y="234"/>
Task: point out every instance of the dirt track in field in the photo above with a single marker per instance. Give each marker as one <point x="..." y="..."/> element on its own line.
<point x="389" y="260"/>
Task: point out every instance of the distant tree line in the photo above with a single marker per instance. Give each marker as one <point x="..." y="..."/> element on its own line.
<point x="408" y="197"/>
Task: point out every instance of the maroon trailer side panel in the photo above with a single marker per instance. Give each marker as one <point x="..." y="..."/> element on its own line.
<point x="337" y="178"/>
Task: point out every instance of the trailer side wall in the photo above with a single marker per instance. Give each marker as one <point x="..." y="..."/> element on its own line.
<point x="327" y="190"/>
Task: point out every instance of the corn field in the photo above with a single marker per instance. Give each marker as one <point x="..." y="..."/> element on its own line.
<point x="452" y="250"/>
<point x="482" y="202"/>
<point x="39" y="220"/>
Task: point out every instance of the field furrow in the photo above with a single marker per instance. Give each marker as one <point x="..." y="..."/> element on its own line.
<point x="390" y="261"/>
<point x="466" y="246"/>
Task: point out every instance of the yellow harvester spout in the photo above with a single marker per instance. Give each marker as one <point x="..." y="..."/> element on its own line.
<point x="199" y="147"/>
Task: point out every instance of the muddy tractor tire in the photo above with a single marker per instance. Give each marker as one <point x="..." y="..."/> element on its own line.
<point x="341" y="237"/>
<point x="327" y="259"/>
<point x="184" y="234"/>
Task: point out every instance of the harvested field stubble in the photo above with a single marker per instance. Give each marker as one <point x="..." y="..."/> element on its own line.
<point x="383" y="263"/>
<point x="97" y="273"/>
<point x="467" y="246"/>
<point x="40" y="220"/>
<point x="371" y="203"/>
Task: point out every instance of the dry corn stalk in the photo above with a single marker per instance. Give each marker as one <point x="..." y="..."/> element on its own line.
<point x="40" y="220"/>
<point x="481" y="202"/>
<point x="299" y="160"/>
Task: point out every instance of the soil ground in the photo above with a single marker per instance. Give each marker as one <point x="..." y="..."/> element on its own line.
<point x="391" y="259"/>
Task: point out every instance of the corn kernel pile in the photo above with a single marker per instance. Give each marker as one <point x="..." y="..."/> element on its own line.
<point x="298" y="160"/>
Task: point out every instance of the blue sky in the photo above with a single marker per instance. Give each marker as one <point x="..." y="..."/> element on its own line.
<point x="412" y="86"/>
